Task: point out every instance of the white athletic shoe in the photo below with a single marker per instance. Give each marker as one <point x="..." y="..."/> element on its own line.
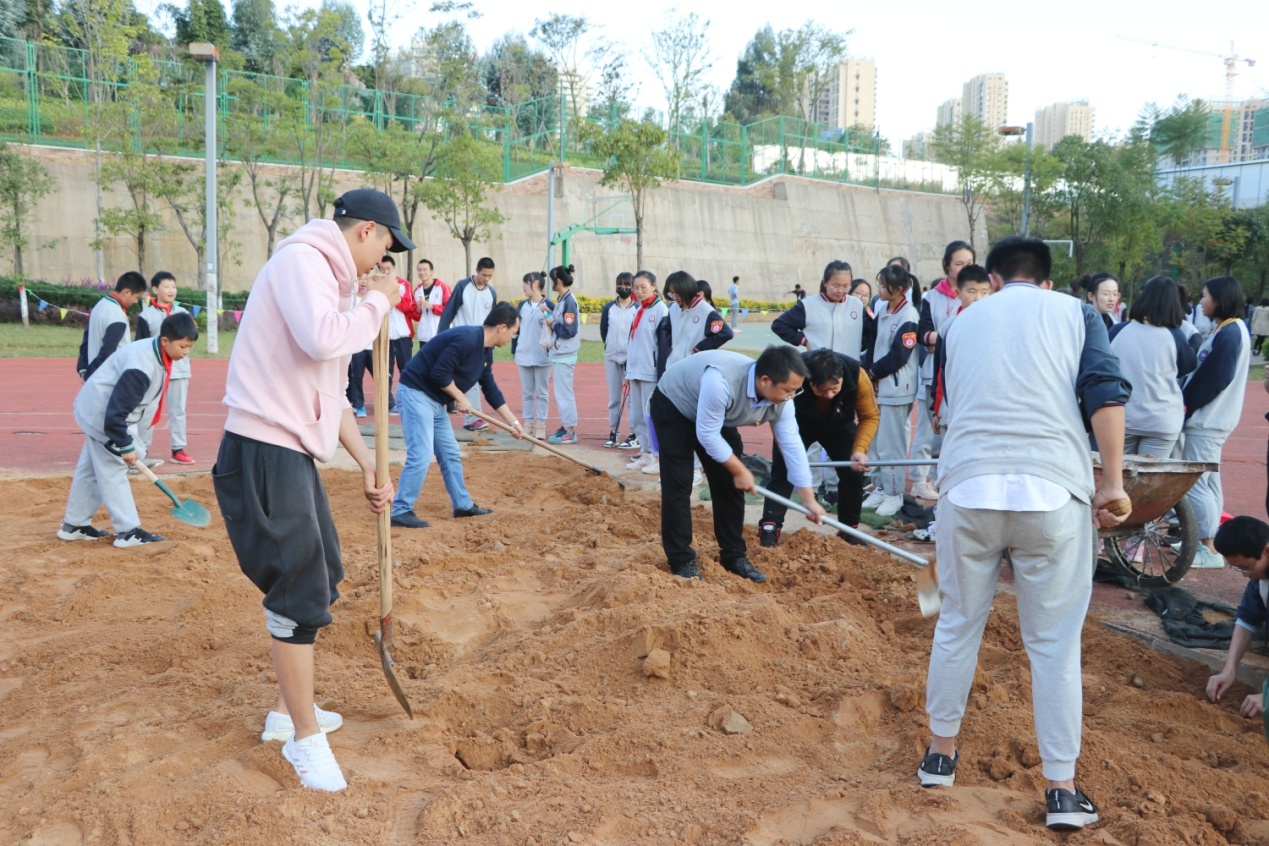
<point x="890" y="505"/>
<point x="640" y="461"/>
<point x="696" y="478"/>
<point x="874" y="499"/>
<point x="653" y="467"/>
<point x="1205" y="559"/>
<point x="924" y="490"/>
<point x="314" y="763"/>
<point x="280" y="727"/>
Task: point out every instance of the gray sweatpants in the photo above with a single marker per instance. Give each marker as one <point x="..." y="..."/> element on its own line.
<point x="927" y="444"/>
<point x="101" y="477"/>
<point x="1206" y="496"/>
<point x="891" y="444"/>
<point x="533" y="387"/>
<point x="562" y="373"/>
<point x="1145" y="445"/>
<point x="174" y="407"/>
<point x="1053" y="556"/>
<point x="615" y="375"/>
<point x="640" y="395"/>
<point x="473" y="397"/>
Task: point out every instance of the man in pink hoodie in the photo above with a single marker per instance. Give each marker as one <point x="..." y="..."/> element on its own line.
<point x="287" y="411"/>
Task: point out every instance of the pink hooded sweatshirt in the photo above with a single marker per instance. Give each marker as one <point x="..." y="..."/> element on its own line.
<point x="289" y="365"/>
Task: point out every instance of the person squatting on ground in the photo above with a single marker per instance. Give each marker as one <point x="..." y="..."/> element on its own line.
<point x="287" y="412"/>
<point x="1213" y="396"/>
<point x="107" y="409"/>
<point x="697" y="409"/>
<point x="469" y="305"/>
<point x="108" y="327"/>
<point x="564" y="324"/>
<point x="1244" y="543"/>
<point x="938" y="305"/>
<point x="894" y="374"/>
<point x="615" y="321"/>
<point x="162" y="306"/>
<point x="1154" y="357"/>
<point x="442" y="372"/>
<point x="642" y="366"/>
<point x="529" y="349"/>
<point x="834" y="394"/>
<point x="1023" y="368"/>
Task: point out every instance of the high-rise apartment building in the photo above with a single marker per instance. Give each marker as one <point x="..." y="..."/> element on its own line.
<point x="849" y="99"/>
<point x="986" y="97"/>
<point x="1055" y="122"/>
<point x="950" y="112"/>
<point x="918" y="146"/>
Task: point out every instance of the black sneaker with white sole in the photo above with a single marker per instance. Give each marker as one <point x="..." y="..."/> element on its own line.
<point x="768" y="534"/>
<point x="937" y="770"/>
<point x="631" y="442"/>
<point x="613" y="440"/>
<point x="1068" y="811"/>
<point x="137" y="537"/>
<point x="76" y="533"/>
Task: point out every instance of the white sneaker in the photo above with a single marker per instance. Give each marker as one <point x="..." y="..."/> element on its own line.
<point x="314" y="763"/>
<point x="890" y="505"/>
<point x="653" y="467"/>
<point x="640" y="461"/>
<point x="696" y="478"/>
<point x="874" y="499"/>
<point x="280" y="727"/>
<point x="1205" y="559"/>
<point x="924" y="490"/>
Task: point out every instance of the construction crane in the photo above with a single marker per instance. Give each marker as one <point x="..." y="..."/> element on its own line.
<point x="1232" y="61"/>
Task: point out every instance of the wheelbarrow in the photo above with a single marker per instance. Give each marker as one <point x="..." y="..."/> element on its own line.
<point x="1155" y="545"/>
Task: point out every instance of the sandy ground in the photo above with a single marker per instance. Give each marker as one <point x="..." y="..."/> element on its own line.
<point x="532" y="644"/>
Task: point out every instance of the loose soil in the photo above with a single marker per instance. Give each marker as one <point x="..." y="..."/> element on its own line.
<point x="567" y="690"/>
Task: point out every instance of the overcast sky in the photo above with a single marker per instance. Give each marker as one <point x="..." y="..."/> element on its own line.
<point x="925" y="50"/>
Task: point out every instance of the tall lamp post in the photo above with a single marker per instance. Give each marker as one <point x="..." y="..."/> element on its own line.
<point x="209" y="55"/>
<point x="1026" y="174"/>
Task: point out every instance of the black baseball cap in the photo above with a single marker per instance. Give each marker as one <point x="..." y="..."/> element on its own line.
<point x="369" y="204"/>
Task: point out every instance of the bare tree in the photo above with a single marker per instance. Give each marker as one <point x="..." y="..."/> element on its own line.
<point x="563" y="38"/>
<point x="681" y="57"/>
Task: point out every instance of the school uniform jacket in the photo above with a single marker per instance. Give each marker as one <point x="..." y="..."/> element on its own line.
<point x="400" y="319"/>
<point x="114" y="396"/>
<point x="642" y="353"/>
<point x="429" y="305"/>
<point x="614" y="329"/>
<point x="938" y="306"/>
<point x="526" y="346"/>
<point x="694" y="329"/>
<point x="566" y="327"/>
<point x="150" y="321"/>
<point x="107" y="331"/>
<point x="468" y="305"/>
<point x="818" y="322"/>
<point x="889" y="363"/>
<point x="1214" y="391"/>
<point x="1154" y="359"/>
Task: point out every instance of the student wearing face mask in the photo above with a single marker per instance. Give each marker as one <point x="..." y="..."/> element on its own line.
<point x="615" y="322"/>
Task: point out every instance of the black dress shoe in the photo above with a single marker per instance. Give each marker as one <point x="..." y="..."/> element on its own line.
<point x="743" y="568"/>
<point x="474" y="511"/>
<point x="408" y="520"/>
<point x="687" y="571"/>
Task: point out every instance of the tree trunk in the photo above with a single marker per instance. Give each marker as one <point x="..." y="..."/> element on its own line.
<point x="638" y="241"/>
<point x="17" y="261"/>
<point x="467" y="250"/>
<point x="97" y="251"/>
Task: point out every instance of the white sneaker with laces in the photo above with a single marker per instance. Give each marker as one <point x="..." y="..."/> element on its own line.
<point x="314" y="763"/>
<point x="890" y="505"/>
<point x="1205" y="559"/>
<point x="653" y="467"/>
<point x="924" y="490"/>
<point x="280" y="726"/>
<point x="640" y="461"/>
<point x="874" y="499"/>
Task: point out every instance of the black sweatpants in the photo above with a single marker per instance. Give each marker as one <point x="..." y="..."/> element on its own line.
<point x="676" y="435"/>
<point x="356" y="378"/>
<point x="279" y="522"/>
<point x="838" y="442"/>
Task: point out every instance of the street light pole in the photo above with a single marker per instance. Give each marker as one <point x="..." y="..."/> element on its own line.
<point x="208" y="54"/>
<point x="1026" y="188"/>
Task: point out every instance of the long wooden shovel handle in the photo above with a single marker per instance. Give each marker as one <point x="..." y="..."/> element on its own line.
<point x="149" y="474"/>
<point x="382" y="375"/>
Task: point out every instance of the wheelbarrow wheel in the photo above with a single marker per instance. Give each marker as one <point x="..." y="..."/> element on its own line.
<point x="1159" y="553"/>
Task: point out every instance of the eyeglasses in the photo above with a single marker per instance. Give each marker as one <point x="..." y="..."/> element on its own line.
<point x="797" y="393"/>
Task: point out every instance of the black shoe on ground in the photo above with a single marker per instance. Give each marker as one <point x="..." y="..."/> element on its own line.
<point x="631" y="442"/>
<point x="687" y="571"/>
<point x="830" y="497"/>
<point x="743" y="568"/>
<point x="1068" y="811"/>
<point x="938" y="770"/>
<point x="408" y="520"/>
<point x="768" y="534"/>
<point x="851" y="539"/>
<point x="474" y="511"/>
<point x="613" y="440"/>
<point x="75" y="533"/>
<point x="137" y="537"/>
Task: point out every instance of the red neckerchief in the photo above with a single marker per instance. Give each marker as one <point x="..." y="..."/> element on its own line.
<point x="115" y="295"/>
<point x="643" y="306"/>
<point x="165" y="309"/>
<point x="167" y="377"/>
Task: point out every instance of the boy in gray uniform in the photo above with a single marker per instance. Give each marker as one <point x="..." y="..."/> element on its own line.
<point x="1015" y="474"/>
<point x="163" y="305"/>
<point x="469" y="305"/>
<point x="107" y="408"/>
<point x="530" y="353"/>
<point x="615" y="322"/>
<point x="108" y="328"/>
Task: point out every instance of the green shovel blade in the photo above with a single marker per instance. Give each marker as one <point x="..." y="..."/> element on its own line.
<point x="187" y="511"/>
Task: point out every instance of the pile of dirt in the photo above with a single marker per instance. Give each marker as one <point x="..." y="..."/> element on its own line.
<point x="567" y="690"/>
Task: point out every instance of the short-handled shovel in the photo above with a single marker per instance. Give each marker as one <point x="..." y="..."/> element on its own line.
<point x="383" y="635"/>
<point x="927" y="579"/>
<point x="187" y="511"/>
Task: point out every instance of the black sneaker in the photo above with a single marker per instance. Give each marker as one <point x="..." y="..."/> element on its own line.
<point x="136" y="537"/>
<point x="938" y="770"/>
<point x="613" y="440"/>
<point x="687" y="571"/>
<point x="768" y="534"/>
<point x="743" y="568"/>
<point x="408" y="520"/>
<point x="474" y="511"/>
<point x="1069" y="811"/>
<point x="631" y="442"/>
<point x="830" y="497"/>
<point x="851" y="539"/>
<point x="75" y="533"/>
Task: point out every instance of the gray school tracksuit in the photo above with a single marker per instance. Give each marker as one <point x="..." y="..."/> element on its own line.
<point x="563" y="354"/>
<point x="468" y="306"/>
<point x="107" y="331"/>
<point x="107" y="408"/>
<point x="938" y="307"/>
<point x="641" y="366"/>
<point x="694" y="329"/>
<point x="1020" y="365"/>
<point x="1154" y="360"/>
<point x="893" y="369"/>
<point x="614" y="330"/>
<point x="532" y="360"/>
<point x="817" y="322"/>
<point x="148" y="324"/>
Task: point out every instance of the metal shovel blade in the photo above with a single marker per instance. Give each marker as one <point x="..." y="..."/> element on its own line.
<point x="185" y="510"/>
<point x="382" y="642"/>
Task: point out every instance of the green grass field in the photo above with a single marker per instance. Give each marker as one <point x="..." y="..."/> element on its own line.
<point x="63" y="342"/>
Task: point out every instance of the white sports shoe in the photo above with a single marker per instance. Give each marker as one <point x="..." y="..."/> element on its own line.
<point x="924" y="490"/>
<point x="874" y="499"/>
<point x="280" y="727"/>
<point x="653" y="467"/>
<point x="1205" y="559"/>
<point x="640" y="462"/>
<point x="314" y="763"/>
<point x="696" y="478"/>
<point x="890" y="505"/>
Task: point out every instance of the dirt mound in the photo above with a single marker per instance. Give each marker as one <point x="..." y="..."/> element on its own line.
<point x="567" y="690"/>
